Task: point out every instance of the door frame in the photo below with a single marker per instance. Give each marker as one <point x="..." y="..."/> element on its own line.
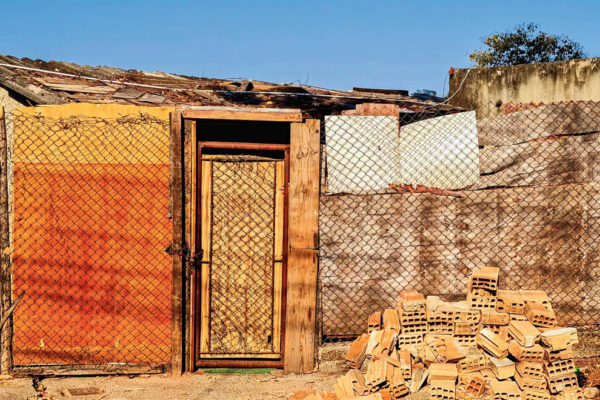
<point x="302" y="248"/>
<point x="196" y="278"/>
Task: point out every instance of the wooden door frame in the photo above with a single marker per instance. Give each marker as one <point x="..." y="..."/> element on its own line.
<point x="198" y="362"/>
<point x="302" y="233"/>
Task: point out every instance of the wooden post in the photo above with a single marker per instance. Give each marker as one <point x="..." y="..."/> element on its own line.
<point x="303" y="247"/>
<point x="177" y="194"/>
<point x="6" y="357"/>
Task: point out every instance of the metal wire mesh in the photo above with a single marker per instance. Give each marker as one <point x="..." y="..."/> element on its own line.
<point x="420" y="202"/>
<point x="90" y="226"/>
<point x="242" y="278"/>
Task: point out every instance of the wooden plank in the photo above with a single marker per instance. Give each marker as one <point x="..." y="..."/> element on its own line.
<point x="82" y="370"/>
<point x="300" y="311"/>
<point x="6" y="331"/>
<point x="246" y="114"/>
<point x="205" y="226"/>
<point x="193" y="149"/>
<point x="303" y="242"/>
<point x="278" y="253"/>
<point x="304" y="185"/>
<point x="177" y="245"/>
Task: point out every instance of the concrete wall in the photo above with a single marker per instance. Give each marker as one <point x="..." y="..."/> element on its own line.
<point x="488" y="88"/>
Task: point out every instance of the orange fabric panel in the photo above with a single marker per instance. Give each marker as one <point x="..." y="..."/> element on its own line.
<point x="89" y="244"/>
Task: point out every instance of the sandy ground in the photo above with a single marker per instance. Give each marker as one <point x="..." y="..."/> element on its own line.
<point x="163" y="387"/>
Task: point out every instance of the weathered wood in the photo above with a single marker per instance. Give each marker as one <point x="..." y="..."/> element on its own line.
<point x="205" y="244"/>
<point x="558" y="119"/>
<point x="177" y="201"/>
<point x="303" y="241"/>
<point x="245" y="114"/>
<point x="79" y="370"/>
<point x="6" y="329"/>
<point x="304" y="185"/>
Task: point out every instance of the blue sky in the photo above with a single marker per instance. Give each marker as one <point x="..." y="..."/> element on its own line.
<point x="335" y="44"/>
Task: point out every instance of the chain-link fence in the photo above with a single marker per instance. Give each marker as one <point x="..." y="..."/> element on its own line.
<point x="420" y="202"/>
<point x="90" y="223"/>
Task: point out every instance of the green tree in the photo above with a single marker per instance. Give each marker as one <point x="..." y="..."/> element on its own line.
<point x="525" y="44"/>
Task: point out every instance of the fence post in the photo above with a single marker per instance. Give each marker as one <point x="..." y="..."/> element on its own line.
<point x="6" y="356"/>
<point x="178" y="243"/>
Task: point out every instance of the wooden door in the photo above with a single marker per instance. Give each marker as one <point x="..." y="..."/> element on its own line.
<point x="241" y="217"/>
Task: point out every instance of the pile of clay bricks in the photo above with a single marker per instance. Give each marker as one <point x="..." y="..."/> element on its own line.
<point x="504" y="344"/>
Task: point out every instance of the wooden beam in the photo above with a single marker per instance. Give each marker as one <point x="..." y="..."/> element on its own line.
<point x="6" y="331"/>
<point x="304" y="185"/>
<point x="82" y="370"/>
<point x="300" y="311"/>
<point x="177" y="202"/>
<point x="303" y="243"/>
<point x="246" y="114"/>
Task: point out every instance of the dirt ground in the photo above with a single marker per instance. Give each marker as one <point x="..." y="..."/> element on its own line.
<point x="163" y="387"/>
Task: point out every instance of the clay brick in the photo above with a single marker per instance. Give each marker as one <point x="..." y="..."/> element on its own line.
<point x="559" y="338"/>
<point x="534" y="353"/>
<point x="559" y="383"/>
<point x="419" y="329"/>
<point x="474" y="361"/>
<point x="447" y="350"/>
<point x="529" y="369"/>
<point x="492" y="343"/>
<point x="411" y="301"/>
<point x="442" y="390"/>
<point x="559" y="367"/>
<point x="427" y="352"/>
<point x="487" y="374"/>
<point x="484" y="278"/>
<point x="500" y="330"/>
<point x="388" y="341"/>
<point x="439" y="311"/>
<point x="518" y="317"/>
<point x="343" y="387"/>
<point x="407" y="340"/>
<point x="405" y="363"/>
<point x="529" y="383"/>
<point x="440" y="327"/>
<point x="536" y="395"/>
<point x="397" y="385"/>
<point x="510" y="301"/>
<point x="493" y="317"/>
<point x="376" y="373"/>
<point x="506" y="390"/>
<point x="502" y="368"/>
<point x="571" y="394"/>
<point x="550" y="355"/>
<point x="481" y="303"/>
<point x="357" y="353"/>
<point x="373" y="345"/>
<point x="390" y="320"/>
<point x="466" y="328"/>
<point x="463" y="314"/>
<point x="539" y="315"/>
<point x="374" y="322"/>
<point x="524" y="333"/>
<point x="536" y="296"/>
<point x="465" y="340"/>
<point x="358" y="383"/>
<point x="470" y="385"/>
<point x="442" y="371"/>
<point x="412" y="317"/>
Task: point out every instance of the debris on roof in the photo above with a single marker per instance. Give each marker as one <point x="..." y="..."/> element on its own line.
<point x="55" y="82"/>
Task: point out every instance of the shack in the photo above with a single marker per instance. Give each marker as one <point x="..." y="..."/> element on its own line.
<point x="160" y="222"/>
